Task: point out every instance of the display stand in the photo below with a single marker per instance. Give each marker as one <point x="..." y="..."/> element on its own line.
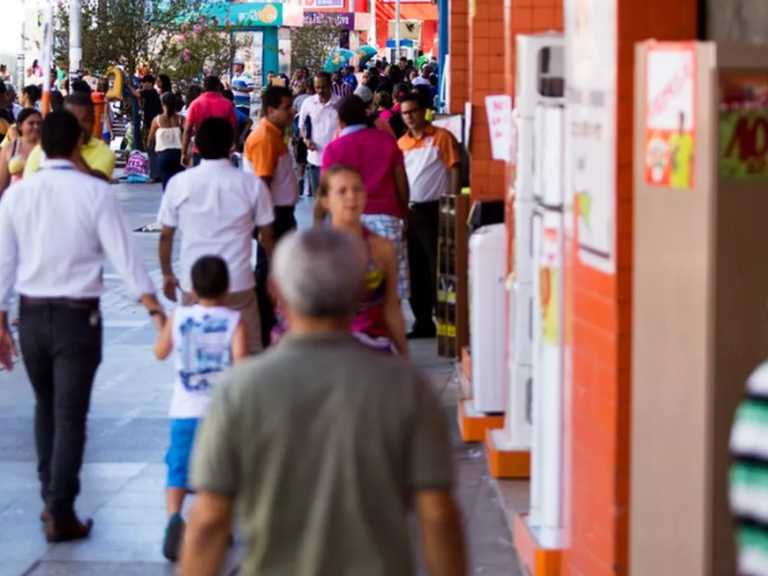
<point x="452" y="284"/>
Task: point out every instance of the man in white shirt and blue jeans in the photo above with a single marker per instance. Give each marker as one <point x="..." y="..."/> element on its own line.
<point x="217" y="206"/>
<point x="60" y="283"/>
<point x="320" y="130"/>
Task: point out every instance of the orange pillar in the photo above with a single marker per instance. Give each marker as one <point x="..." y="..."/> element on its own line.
<point x="597" y="491"/>
<point x="486" y="77"/>
<point x="459" y="56"/>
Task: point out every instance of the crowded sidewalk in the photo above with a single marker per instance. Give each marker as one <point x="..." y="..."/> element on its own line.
<point x="124" y="473"/>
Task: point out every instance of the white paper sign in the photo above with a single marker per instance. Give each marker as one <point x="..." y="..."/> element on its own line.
<point x="467" y="125"/>
<point x="499" y="110"/>
<point x="591" y="54"/>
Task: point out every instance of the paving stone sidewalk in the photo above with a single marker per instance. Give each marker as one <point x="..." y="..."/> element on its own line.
<point x="124" y="475"/>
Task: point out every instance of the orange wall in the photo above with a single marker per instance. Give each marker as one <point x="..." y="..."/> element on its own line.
<point x="486" y="77"/>
<point x="602" y="321"/>
<point x="492" y="34"/>
<point x="459" y="55"/>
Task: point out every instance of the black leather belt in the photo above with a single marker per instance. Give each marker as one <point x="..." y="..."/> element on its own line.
<point x="71" y="302"/>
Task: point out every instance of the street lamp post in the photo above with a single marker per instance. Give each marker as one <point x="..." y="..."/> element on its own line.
<point x="397" y="32"/>
<point x="75" y="39"/>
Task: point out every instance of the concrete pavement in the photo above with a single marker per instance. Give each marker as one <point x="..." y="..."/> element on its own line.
<point x="124" y="474"/>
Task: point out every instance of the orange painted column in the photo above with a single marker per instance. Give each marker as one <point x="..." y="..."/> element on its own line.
<point x="597" y="489"/>
<point x="486" y="78"/>
<point x="459" y="56"/>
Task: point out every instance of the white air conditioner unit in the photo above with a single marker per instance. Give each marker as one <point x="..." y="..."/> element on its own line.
<point x="487" y="276"/>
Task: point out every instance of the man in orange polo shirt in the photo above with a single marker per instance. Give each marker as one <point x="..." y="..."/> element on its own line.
<point x="267" y="154"/>
<point x="433" y="167"/>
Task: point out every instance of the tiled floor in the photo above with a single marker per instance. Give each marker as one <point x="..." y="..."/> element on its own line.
<point x="123" y="477"/>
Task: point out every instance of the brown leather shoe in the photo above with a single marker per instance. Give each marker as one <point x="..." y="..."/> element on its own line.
<point x="69" y="529"/>
<point x="45" y="516"/>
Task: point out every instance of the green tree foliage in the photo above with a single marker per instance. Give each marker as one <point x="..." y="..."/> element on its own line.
<point x="171" y="36"/>
<point x="312" y="43"/>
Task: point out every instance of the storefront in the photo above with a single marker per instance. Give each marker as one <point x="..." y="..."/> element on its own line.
<point x="354" y="26"/>
<point x="418" y="23"/>
<point x="259" y="24"/>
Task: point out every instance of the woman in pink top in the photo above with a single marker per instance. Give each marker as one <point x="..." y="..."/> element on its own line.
<point x="374" y="154"/>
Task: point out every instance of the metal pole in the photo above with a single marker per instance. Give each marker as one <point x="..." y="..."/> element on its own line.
<point x="46" y="55"/>
<point x="372" y="39"/>
<point x="75" y="39"/>
<point x="397" y="32"/>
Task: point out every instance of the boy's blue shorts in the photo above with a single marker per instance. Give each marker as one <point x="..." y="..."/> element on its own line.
<point x="180" y="451"/>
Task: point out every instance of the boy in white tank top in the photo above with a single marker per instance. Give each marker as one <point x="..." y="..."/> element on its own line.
<point x="205" y="338"/>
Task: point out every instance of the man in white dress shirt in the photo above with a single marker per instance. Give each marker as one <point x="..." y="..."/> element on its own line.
<point x="318" y="121"/>
<point x="217" y="206"/>
<point x="60" y="284"/>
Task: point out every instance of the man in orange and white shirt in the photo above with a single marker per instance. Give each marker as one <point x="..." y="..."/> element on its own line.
<point x="433" y="167"/>
<point x="267" y="155"/>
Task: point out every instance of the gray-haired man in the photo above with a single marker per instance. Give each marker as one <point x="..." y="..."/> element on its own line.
<point x="323" y="443"/>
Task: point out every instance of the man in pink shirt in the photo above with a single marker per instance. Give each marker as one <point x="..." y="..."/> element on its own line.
<point x="210" y="104"/>
<point x="375" y="154"/>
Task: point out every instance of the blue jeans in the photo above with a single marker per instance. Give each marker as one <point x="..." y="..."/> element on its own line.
<point x="169" y="164"/>
<point x="313" y="173"/>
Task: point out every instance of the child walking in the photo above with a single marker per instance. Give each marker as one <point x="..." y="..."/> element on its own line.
<point x="206" y="339"/>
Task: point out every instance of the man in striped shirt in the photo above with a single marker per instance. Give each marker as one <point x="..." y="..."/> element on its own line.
<point x="339" y="87"/>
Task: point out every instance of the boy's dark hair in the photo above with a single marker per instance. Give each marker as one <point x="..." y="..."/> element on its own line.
<point x="32" y="92"/>
<point x="352" y="110"/>
<point x="424" y="94"/>
<point x="413" y="97"/>
<point x="323" y="76"/>
<point x="148" y="79"/>
<point x="210" y="277"/>
<point x="79" y="99"/>
<point x="60" y="134"/>
<point x="3" y="89"/>
<point x="214" y="138"/>
<point x="81" y="86"/>
<point x="273" y="97"/>
<point x="211" y="84"/>
<point x="401" y="91"/>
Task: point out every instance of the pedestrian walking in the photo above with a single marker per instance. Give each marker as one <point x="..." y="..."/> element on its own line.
<point x="60" y="283"/>
<point x="339" y="87"/>
<point x="205" y="339"/>
<point x="379" y="321"/>
<point x="242" y="87"/>
<point x="302" y="90"/>
<point x="433" y="166"/>
<point x="217" y="207"/>
<point x="210" y="104"/>
<point x="13" y="157"/>
<point x="346" y="443"/>
<point x="375" y="155"/>
<point x="319" y="115"/>
<point x="267" y="156"/>
<point x="151" y="107"/>
<point x="165" y="137"/>
<point x="94" y="156"/>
